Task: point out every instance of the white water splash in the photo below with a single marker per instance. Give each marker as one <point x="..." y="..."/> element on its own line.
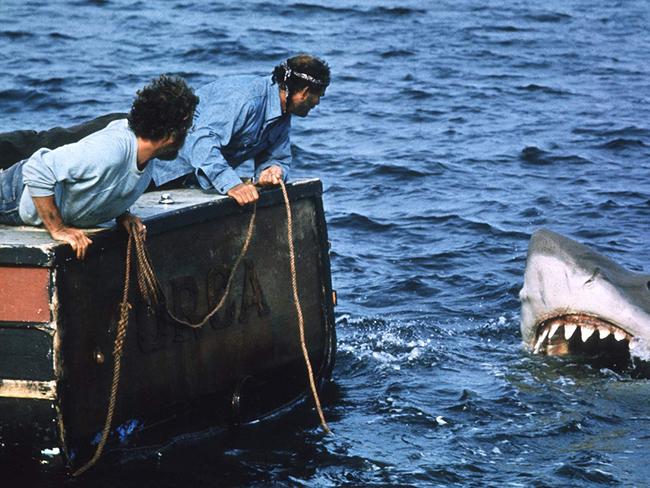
<point x="640" y="349"/>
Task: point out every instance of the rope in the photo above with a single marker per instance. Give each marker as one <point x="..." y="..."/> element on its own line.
<point x="151" y="291"/>
<point x="147" y="282"/>
<point x="296" y="301"/>
<point x="117" y="358"/>
<point x="153" y="288"/>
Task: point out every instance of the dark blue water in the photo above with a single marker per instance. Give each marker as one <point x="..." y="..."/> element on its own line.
<point x="451" y="131"/>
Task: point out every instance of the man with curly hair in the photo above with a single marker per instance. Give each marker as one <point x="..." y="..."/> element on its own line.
<point x="247" y="117"/>
<point x="98" y="178"/>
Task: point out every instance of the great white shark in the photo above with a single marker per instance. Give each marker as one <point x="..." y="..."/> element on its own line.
<point x="577" y="301"/>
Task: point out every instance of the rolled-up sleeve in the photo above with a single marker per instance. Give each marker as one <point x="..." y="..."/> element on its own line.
<point x="204" y="153"/>
<point x="213" y="130"/>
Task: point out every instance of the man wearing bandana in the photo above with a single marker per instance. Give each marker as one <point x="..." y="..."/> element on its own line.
<point x="247" y="117"/>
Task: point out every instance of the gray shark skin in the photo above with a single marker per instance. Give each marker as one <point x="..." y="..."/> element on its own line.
<point x="577" y="301"/>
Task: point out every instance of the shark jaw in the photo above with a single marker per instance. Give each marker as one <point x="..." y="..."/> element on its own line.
<point x="578" y="302"/>
<point x="579" y="334"/>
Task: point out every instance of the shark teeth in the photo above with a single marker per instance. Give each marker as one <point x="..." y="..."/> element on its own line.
<point x="619" y="335"/>
<point x="603" y="332"/>
<point x="586" y="332"/>
<point x="541" y="340"/>
<point x="554" y="327"/>
<point x="548" y="337"/>
<point x="569" y="330"/>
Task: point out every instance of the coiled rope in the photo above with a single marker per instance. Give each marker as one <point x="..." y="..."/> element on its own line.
<point x="151" y="291"/>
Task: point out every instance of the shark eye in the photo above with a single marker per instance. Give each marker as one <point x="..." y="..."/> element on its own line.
<point x="648" y="285"/>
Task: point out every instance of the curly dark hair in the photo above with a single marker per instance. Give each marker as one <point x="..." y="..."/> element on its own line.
<point x="162" y="108"/>
<point x="304" y="64"/>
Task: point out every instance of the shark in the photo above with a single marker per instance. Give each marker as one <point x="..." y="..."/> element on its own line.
<point x="576" y="301"/>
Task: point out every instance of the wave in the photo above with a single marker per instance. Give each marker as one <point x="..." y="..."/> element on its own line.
<point x="412" y="285"/>
<point x="315" y="8"/>
<point x="58" y="36"/>
<point x="211" y="33"/>
<point x="543" y="89"/>
<point x="13" y="35"/>
<point x="400" y="172"/>
<point x="301" y="9"/>
<point x="503" y="28"/>
<point x="550" y="17"/>
<point x="54" y="83"/>
<point x="398" y="11"/>
<point x="101" y="3"/>
<point x="534" y="155"/>
<point x="630" y="131"/>
<point x="15" y="100"/>
<point x="397" y="53"/>
<point x="626" y="195"/>
<point x="232" y="49"/>
<point x="622" y="143"/>
<point x="585" y="466"/>
<point x="537" y="156"/>
<point x="415" y="94"/>
<point x="285" y="34"/>
<point x="459" y="223"/>
<point x="361" y="222"/>
<point x="389" y="12"/>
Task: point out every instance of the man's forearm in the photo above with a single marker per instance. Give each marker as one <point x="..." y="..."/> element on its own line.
<point x="52" y="221"/>
<point x="218" y="175"/>
<point x="49" y="213"/>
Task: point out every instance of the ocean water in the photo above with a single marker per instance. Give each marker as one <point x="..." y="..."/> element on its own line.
<point x="452" y="130"/>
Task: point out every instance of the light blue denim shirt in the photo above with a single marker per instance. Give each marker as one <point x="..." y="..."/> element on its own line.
<point x="238" y="118"/>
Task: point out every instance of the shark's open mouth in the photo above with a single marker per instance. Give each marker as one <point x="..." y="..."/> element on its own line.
<point x="583" y="335"/>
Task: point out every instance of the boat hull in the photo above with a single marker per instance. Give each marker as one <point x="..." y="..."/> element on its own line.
<point x="244" y="364"/>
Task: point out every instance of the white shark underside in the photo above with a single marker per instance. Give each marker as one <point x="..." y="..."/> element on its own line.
<point x="575" y="300"/>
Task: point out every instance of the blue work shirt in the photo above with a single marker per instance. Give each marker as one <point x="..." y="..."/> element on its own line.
<point x="238" y="118"/>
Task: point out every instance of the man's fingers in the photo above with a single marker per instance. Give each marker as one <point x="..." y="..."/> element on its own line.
<point x="74" y="246"/>
<point x="81" y="247"/>
<point x="81" y="243"/>
<point x="271" y="176"/>
<point x="249" y="194"/>
<point x="242" y="199"/>
<point x="86" y="242"/>
<point x="244" y="194"/>
<point x="76" y="238"/>
<point x="77" y="246"/>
